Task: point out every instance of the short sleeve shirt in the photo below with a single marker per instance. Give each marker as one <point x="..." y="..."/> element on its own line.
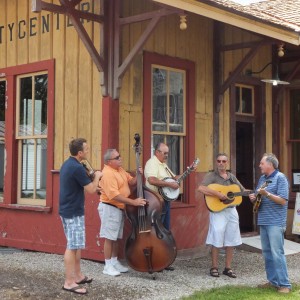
<point x="155" y="168"/>
<point x="72" y="178"/>
<point x="214" y="177"/>
<point x="269" y="212"/>
<point x="113" y="183"/>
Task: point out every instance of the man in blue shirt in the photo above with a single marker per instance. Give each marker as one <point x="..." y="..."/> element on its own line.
<point x="74" y="181"/>
<point x="272" y="214"/>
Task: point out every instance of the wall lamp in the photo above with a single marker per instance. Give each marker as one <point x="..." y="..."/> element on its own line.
<point x="275" y="81"/>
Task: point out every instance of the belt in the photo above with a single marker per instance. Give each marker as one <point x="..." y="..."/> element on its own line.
<point x="112" y="205"/>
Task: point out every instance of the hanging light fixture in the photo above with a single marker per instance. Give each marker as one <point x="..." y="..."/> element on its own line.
<point x="274" y="81"/>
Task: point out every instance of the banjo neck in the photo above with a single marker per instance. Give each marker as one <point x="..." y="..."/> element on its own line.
<point x="188" y="170"/>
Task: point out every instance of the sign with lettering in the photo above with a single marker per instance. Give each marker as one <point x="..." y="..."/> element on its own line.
<point x="296" y="222"/>
<point x="34" y="25"/>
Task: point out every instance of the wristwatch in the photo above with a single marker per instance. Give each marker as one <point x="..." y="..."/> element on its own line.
<point x="268" y="195"/>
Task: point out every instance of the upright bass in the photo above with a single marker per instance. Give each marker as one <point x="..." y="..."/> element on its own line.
<point x="150" y="246"/>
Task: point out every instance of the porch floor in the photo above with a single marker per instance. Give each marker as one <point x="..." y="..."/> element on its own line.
<point x="253" y="244"/>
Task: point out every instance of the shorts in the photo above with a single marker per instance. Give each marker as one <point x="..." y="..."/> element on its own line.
<point x="112" y="221"/>
<point x="74" y="229"/>
<point x="224" y="229"/>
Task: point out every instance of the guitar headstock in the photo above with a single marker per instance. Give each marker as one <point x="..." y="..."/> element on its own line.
<point x="194" y="165"/>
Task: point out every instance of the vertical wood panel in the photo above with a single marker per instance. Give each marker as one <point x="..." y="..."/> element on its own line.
<point x="3" y="42"/>
<point x="96" y="155"/>
<point x="71" y="83"/>
<point x="59" y="45"/>
<point x="34" y="34"/>
<point x="11" y="34"/>
<point x="22" y="29"/>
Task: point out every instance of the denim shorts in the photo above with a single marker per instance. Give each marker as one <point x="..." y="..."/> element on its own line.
<point x="74" y="229"/>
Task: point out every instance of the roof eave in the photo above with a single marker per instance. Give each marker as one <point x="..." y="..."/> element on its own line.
<point x="239" y="20"/>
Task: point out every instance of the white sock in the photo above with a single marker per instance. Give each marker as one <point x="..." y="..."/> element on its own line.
<point x="114" y="260"/>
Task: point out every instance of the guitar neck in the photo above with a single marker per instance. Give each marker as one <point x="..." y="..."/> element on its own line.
<point x="186" y="173"/>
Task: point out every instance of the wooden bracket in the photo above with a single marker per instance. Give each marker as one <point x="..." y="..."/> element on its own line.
<point x="236" y="72"/>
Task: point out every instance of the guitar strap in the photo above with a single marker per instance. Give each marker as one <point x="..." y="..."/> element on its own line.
<point x="170" y="173"/>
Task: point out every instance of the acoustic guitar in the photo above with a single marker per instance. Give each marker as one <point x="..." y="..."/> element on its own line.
<point x="233" y="193"/>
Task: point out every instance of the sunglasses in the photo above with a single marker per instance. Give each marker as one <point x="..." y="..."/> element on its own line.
<point x="221" y="161"/>
<point x="164" y="153"/>
<point x="116" y="158"/>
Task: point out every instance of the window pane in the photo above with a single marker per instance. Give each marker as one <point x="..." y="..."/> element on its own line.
<point x="41" y="167"/>
<point x="159" y="103"/>
<point x="159" y="115"/>
<point x="176" y="101"/>
<point x="174" y="153"/>
<point x="25" y="115"/>
<point x="40" y="105"/>
<point x="27" y="189"/>
<point x="246" y="100"/>
<point x="295" y="114"/>
<point x="34" y="166"/>
<point x="237" y="99"/>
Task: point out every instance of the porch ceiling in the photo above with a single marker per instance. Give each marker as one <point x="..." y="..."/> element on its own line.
<point x="268" y="18"/>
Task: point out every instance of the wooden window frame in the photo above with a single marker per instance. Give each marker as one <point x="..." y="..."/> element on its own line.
<point x="250" y="87"/>
<point x="149" y="60"/>
<point x="11" y="143"/>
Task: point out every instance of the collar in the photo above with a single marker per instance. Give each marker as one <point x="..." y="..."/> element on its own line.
<point x="158" y="161"/>
<point x="272" y="174"/>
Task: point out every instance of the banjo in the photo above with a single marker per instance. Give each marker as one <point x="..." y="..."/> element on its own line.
<point x="170" y="194"/>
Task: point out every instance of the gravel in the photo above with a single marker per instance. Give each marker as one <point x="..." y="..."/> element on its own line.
<point x="35" y="275"/>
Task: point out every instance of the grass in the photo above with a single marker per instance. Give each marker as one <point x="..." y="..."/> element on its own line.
<point x="243" y="293"/>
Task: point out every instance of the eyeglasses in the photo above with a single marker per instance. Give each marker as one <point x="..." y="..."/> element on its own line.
<point x="164" y="153"/>
<point x="221" y="161"/>
<point x="116" y="158"/>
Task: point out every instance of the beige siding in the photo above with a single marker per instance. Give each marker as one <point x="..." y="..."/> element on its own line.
<point x="78" y="110"/>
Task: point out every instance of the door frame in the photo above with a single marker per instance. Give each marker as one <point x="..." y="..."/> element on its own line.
<point x="259" y="121"/>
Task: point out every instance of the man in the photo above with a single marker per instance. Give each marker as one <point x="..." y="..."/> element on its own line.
<point x="224" y="228"/>
<point x="74" y="181"/>
<point x="272" y="214"/>
<point x="115" y="190"/>
<point x="156" y="169"/>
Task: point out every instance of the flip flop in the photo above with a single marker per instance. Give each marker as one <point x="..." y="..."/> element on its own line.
<point x="85" y="280"/>
<point x="75" y="290"/>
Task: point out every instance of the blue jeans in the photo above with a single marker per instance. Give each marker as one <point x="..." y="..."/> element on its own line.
<point x="166" y="214"/>
<point x="272" y="241"/>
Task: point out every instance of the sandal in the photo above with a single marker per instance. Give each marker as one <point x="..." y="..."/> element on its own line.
<point x="229" y="272"/>
<point x="214" y="272"/>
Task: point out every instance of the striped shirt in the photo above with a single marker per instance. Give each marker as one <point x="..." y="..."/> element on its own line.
<point x="269" y="212"/>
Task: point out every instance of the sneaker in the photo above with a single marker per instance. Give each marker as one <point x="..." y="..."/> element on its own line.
<point x="120" y="268"/>
<point x="283" y="290"/>
<point x="110" y="270"/>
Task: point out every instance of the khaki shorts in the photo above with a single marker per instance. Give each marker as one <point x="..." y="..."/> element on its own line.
<point x="112" y="221"/>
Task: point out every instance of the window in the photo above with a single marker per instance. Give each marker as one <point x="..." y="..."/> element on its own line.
<point x="32" y="137"/>
<point x="168" y="107"/>
<point x="169" y="115"/>
<point x="244" y="100"/>
<point x="26" y="110"/>
<point x="2" y="135"/>
<point x="294" y="125"/>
